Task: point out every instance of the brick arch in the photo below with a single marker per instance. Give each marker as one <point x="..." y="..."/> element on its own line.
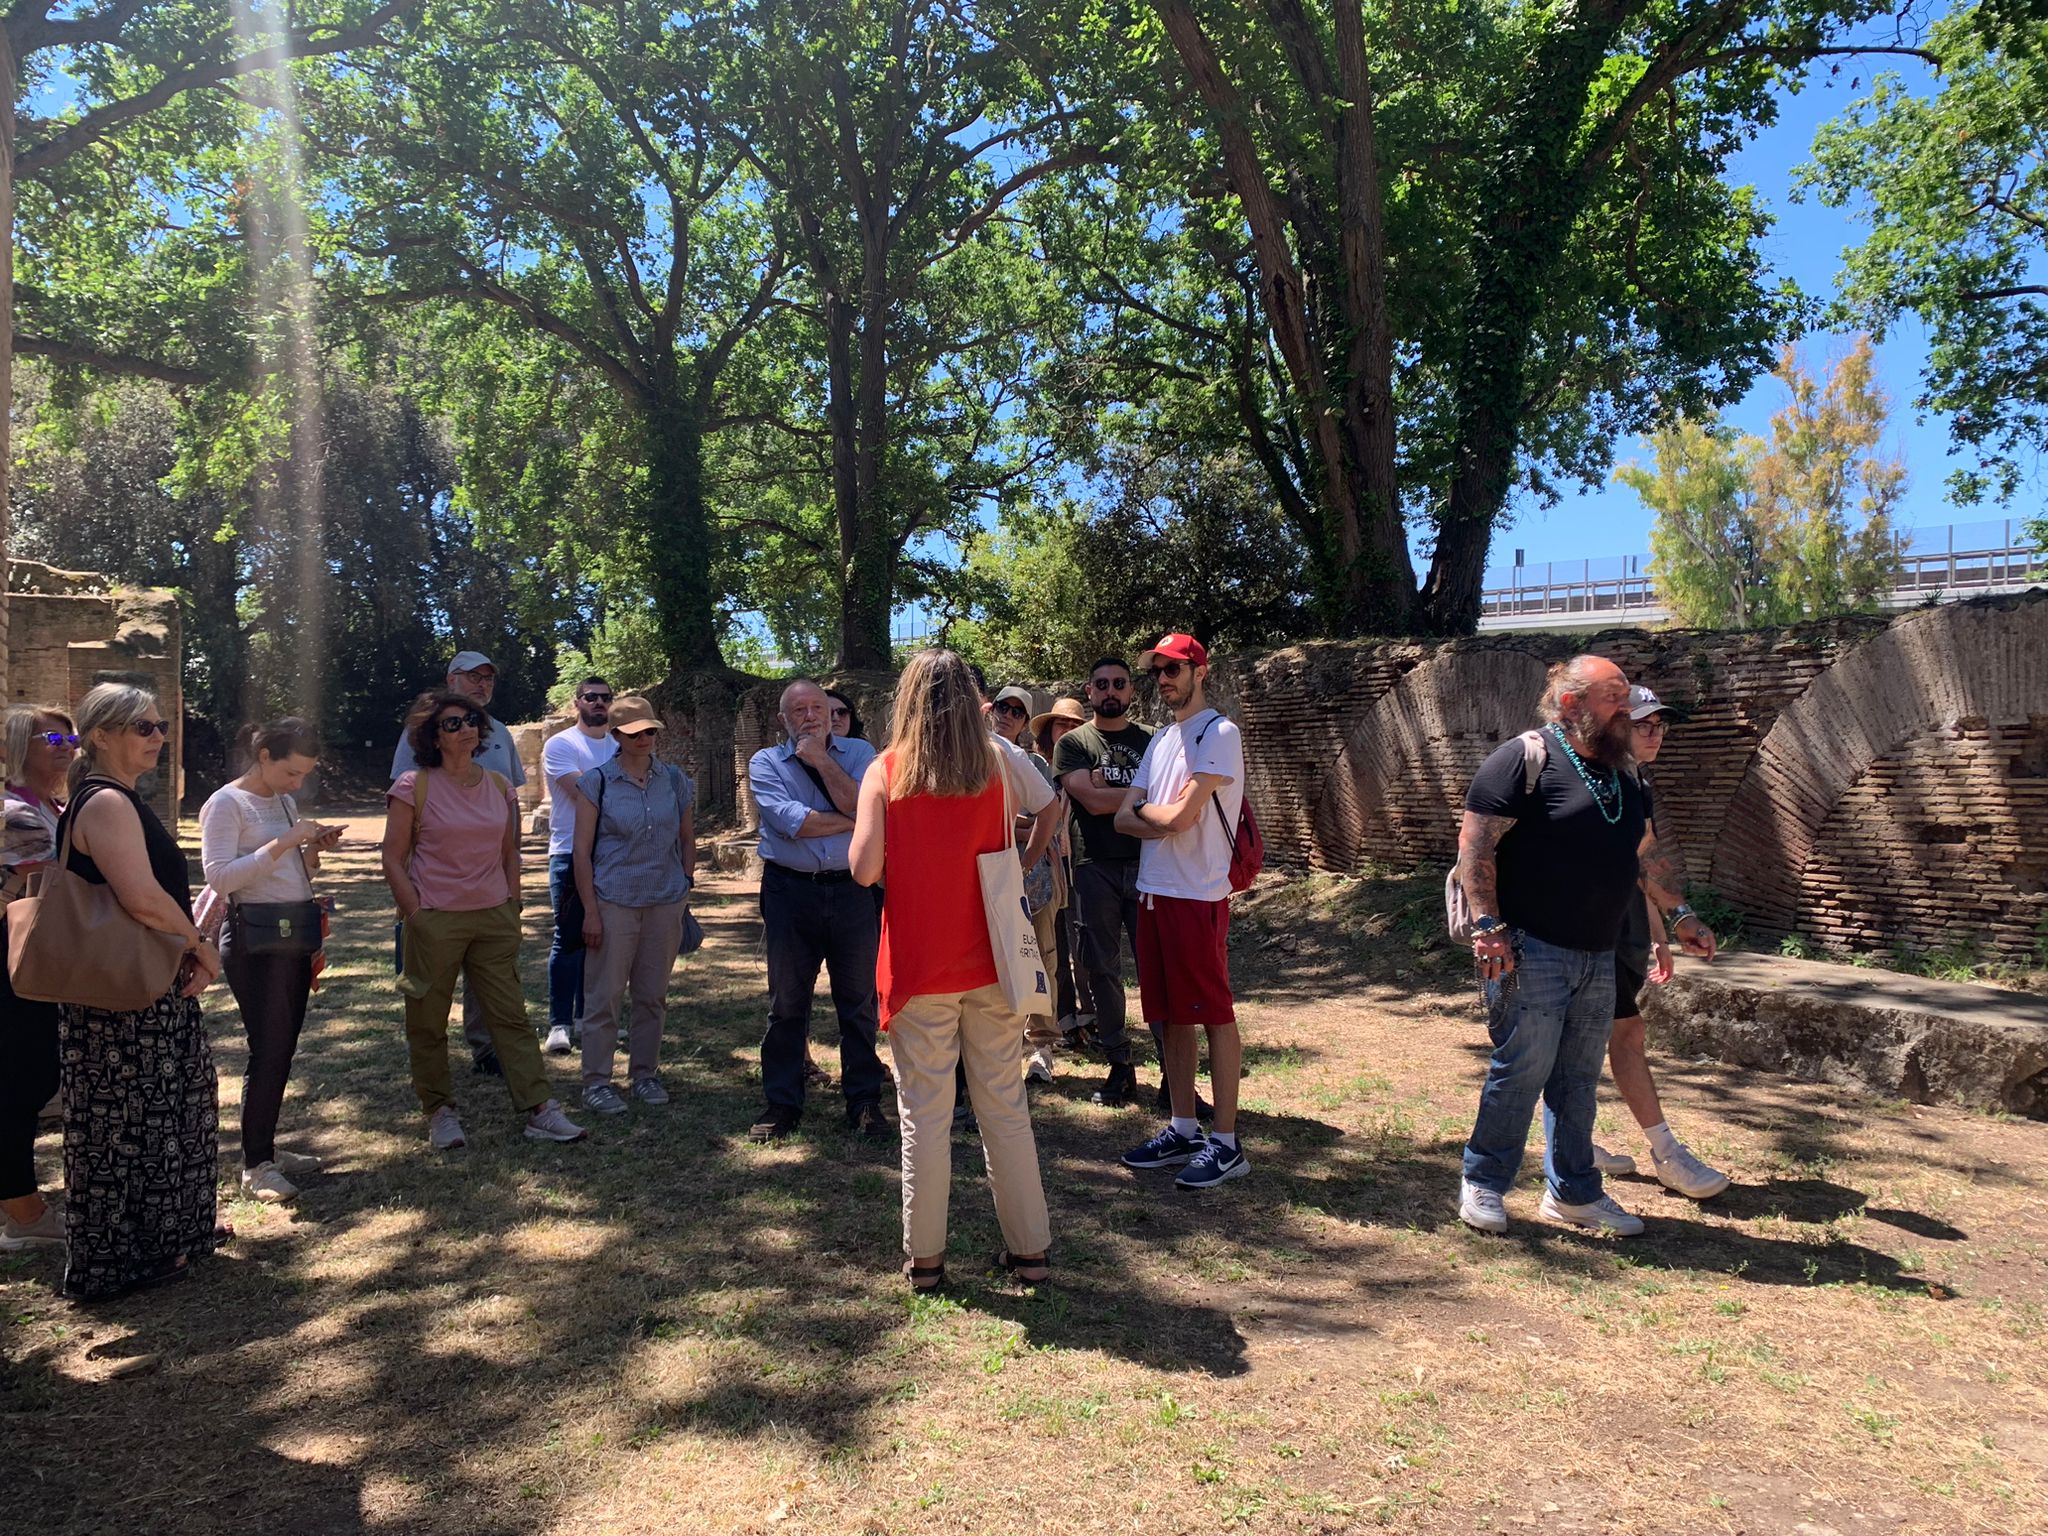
<point x="1392" y="794"/>
<point x="1932" y="671"/>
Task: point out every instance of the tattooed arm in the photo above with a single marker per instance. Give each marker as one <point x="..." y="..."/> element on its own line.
<point x="1478" y="837"/>
<point x="1664" y="883"/>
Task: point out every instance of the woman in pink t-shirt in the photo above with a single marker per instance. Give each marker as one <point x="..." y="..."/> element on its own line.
<point x="929" y="806"/>
<point x="451" y="856"/>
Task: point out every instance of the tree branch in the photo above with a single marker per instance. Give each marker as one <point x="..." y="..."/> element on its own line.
<point x="73" y="355"/>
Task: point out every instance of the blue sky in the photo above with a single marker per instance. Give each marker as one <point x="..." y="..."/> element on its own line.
<point x="1805" y="245"/>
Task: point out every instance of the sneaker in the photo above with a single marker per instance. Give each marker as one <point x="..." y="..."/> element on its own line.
<point x="548" y="1123"/>
<point x="266" y="1182"/>
<point x="46" y="1231"/>
<point x="1481" y="1209"/>
<point x="1038" y="1065"/>
<point x="1119" y="1088"/>
<point x="648" y="1090"/>
<point x="603" y="1099"/>
<point x="1601" y="1215"/>
<point x="1166" y="1150"/>
<point x="295" y="1162"/>
<point x="775" y="1122"/>
<point x="485" y="1063"/>
<point x="558" y="1043"/>
<point x="1215" y="1164"/>
<point x="869" y="1123"/>
<point x="1687" y="1174"/>
<point x="1163" y="1102"/>
<point x="444" y="1130"/>
<point x="1614" y="1164"/>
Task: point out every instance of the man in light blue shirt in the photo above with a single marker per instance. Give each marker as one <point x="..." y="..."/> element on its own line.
<point x="812" y="913"/>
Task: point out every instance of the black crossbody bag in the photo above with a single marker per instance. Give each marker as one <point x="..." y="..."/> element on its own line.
<point x="276" y="927"/>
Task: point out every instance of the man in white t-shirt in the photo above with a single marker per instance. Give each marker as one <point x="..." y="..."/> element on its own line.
<point x="1183" y="805"/>
<point x="566" y="757"/>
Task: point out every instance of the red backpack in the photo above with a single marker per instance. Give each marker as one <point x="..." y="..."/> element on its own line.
<point x="1247" y="846"/>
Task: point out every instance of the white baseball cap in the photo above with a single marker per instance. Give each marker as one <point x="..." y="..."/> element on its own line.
<point x="469" y="661"/>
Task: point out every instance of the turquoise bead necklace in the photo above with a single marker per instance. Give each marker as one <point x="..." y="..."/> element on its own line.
<point x="1602" y="792"/>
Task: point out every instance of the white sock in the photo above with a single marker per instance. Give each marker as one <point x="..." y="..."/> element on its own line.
<point x="1187" y="1128"/>
<point x="1662" y="1142"/>
<point x="1228" y="1138"/>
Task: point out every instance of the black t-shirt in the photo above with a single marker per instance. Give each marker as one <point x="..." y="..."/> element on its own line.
<point x="1117" y="754"/>
<point x="1635" y="919"/>
<point x="1566" y="873"/>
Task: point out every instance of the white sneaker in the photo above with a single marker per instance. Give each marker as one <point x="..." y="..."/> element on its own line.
<point x="444" y="1130"/>
<point x="548" y="1123"/>
<point x="1601" y="1215"/>
<point x="295" y="1162"/>
<point x="1617" y="1163"/>
<point x="1038" y="1065"/>
<point x="1481" y="1209"/>
<point x="46" y="1231"/>
<point x="1687" y="1174"/>
<point x="267" y="1183"/>
<point x="558" y="1041"/>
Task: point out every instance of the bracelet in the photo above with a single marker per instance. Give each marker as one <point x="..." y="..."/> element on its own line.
<point x="1681" y="912"/>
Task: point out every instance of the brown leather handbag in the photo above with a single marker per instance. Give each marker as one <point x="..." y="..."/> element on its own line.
<point x="71" y="941"/>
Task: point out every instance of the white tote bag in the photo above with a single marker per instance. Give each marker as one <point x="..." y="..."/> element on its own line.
<point x="1020" y="969"/>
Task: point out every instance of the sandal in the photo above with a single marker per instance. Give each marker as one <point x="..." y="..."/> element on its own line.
<point x="1010" y="1264"/>
<point x="924" y="1277"/>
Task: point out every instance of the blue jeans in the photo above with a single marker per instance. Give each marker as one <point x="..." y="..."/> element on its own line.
<point x="804" y="925"/>
<point x="565" y="966"/>
<point x="1549" y="1019"/>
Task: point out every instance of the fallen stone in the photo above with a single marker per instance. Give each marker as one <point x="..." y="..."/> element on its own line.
<point x="1931" y="1042"/>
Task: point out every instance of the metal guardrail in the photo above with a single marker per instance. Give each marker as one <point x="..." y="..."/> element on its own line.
<point x="1564" y="598"/>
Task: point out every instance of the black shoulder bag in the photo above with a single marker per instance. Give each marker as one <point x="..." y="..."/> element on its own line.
<point x="277" y="927"/>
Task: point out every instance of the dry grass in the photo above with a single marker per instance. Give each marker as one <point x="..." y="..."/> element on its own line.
<point x="669" y="1329"/>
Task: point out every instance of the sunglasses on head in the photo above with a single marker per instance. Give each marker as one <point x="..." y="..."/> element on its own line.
<point x="595" y="698"/>
<point x="148" y="728"/>
<point x="1164" y="669"/>
<point x="1113" y="684"/>
<point x="58" y="738"/>
<point x="450" y="724"/>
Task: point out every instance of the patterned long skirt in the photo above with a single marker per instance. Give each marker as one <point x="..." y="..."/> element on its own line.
<point x="141" y="1155"/>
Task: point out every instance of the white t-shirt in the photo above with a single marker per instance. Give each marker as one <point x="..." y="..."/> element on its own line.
<point x="1193" y="865"/>
<point x="572" y="754"/>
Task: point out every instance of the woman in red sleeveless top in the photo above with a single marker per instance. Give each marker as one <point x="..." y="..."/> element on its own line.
<point x="928" y="806"/>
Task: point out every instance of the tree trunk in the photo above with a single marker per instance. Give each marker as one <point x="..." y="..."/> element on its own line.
<point x="9" y="83"/>
<point x="870" y="564"/>
<point x="679" y="537"/>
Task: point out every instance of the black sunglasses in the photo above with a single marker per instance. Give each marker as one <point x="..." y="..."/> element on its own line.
<point x="450" y="724"/>
<point x="595" y="698"/>
<point x="1164" y="669"/>
<point x="1011" y="707"/>
<point x="1114" y="684"/>
<point x="148" y="728"/>
<point x="842" y="709"/>
<point x="58" y="738"/>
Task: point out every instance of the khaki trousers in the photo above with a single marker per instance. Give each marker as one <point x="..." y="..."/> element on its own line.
<point x="483" y="949"/>
<point x="978" y="1030"/>
<point x="638" y="954"/>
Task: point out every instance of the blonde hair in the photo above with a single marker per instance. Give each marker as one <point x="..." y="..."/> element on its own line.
<point x="938" y="743"/>
<point x="109" y="707"/>
<point x="21" y="725"/>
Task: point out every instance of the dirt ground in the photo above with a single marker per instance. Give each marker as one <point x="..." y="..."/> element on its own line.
<point x="667" y="1328"/>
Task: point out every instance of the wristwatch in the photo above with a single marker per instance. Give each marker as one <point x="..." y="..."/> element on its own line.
<point x="1485" y="925"/>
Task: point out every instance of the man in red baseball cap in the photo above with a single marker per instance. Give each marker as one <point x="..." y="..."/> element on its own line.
<point x="1183" y="805"/>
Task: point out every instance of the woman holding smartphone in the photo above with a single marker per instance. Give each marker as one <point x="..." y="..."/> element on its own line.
<point x="259" y="855"/>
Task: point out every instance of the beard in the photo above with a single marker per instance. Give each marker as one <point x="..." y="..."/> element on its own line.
<point x="1610" y="745"/>
<point x="1110" y="708"/>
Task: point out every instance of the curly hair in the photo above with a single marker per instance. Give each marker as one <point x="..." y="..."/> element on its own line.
<point x="425" y="736"/>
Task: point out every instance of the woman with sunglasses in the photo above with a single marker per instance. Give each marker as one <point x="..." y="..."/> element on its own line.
<point x="37" y="743"/>
<point x="140" y="1097"/>
<point x="451" y="857"/>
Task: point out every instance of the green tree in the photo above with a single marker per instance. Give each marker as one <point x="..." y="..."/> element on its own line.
<point x="1752" y="533"/>
<point x="1954" y="189"/>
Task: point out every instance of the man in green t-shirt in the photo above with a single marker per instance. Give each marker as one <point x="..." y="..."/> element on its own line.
<point x="1094" y="764"/>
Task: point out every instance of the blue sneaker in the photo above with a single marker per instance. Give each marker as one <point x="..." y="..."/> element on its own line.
<point x="1214" y="1164"/>
<point x="1166" y="1150"/>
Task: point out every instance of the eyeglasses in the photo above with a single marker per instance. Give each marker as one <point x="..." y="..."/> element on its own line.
<point x="450" y="724"/>
<point x="1652" y="726"/>
<point x="1164" y="669"/>
<point x="148" y="728"/>
<point x="58" y="738"/>
<point x="1012" y="707"/>
<point x="595" y="698"/>
<point x="1110" y="684"/>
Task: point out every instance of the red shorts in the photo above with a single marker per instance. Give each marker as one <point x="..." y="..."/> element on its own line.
<point x="1183" y="961"/>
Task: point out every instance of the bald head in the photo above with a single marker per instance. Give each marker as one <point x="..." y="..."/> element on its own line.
<point x="805" y="709"/>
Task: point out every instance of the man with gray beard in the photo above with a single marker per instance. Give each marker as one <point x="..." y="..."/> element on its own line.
<point x="1549" y="868"/>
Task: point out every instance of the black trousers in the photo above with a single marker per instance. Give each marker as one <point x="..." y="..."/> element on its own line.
<point x="271" y="991"/>
<point x="806" y="924"/>
<point x="28" y="1076"/>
